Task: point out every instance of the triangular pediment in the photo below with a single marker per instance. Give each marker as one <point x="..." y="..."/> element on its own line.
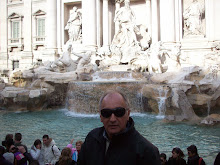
<point x="14" y="15"/>
<point x="39" y="12"/>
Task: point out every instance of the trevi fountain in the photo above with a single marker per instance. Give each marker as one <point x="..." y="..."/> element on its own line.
<point x="173" y="88"/>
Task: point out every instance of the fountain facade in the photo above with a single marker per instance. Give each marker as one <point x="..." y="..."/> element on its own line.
<point x="183" y="65"/>
<point x="90" y="92"/>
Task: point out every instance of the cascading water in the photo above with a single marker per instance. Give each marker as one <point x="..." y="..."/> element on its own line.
<point x="140" y="100"/>
<point x="83" y="97"/>
<point x="162" y="101"/>
<point x="208" y="107"/>
<point x="197" y="87"/>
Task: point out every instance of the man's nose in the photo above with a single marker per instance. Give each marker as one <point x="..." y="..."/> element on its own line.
<point x="112" y="117"/>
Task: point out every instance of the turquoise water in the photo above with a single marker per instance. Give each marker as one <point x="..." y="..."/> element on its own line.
<point x="63" y="125"/>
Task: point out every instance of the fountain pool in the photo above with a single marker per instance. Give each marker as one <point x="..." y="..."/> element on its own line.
<point x="63" y="125"/>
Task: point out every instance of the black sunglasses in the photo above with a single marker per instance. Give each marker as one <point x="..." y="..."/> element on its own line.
<point x="118" y="112"/>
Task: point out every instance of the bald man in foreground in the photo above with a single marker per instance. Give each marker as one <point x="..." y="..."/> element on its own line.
<point x="117" y="142"/>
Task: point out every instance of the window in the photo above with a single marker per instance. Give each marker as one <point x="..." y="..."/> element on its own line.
<point x="15" y="32"/>
<point x="15" y="64"/>
<point x="15" y="38"/>
<point x="40" y="29"/>
<point x="39" y="18"/>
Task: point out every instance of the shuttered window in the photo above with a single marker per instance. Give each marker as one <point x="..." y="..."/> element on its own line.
<point x="15" y="30"/>
<point x="40" y="27"/>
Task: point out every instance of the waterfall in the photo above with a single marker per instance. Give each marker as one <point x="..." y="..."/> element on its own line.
<point x="197" y="87"/>
<point x="83" y="97"/>
<point x="140" y="100"/>
<point x="162" y="101"/>
<point x="208" y="107"/>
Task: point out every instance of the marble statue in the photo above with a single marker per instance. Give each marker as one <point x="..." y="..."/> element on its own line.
<point x="155" y="55"/>
<point x="65" y="58"/>
<point x="125" y="44"/>
<point x="104" y="59"/>
<point x="173" y="58"/>
<point x="140" y="62"/>
<point x="74" y="25"/>
<point x="127" y="29"/>
<point x="64" y="63"/>
<point x="193" y="18"/>
<point x="83" y="61"/>
<point x="146" y="38"/>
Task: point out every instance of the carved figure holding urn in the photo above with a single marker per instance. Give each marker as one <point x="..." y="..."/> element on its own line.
<point x="74" y="25"/>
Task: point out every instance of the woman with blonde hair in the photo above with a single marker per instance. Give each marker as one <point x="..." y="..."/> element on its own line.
<point x="66" y="157"/>
<point x="75" y="151"/>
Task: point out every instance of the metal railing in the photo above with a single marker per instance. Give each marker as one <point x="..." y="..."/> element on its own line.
<point x="39" y="38"/>
<point x="16" y="40"/>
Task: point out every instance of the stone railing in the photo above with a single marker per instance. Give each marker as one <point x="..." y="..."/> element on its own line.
<point x="15" y="43"/>
<point x="38" y="41"/>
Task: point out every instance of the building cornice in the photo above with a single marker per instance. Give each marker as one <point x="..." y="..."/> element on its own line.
<point x="15" y="3"/>
<point x="39" y="12"/>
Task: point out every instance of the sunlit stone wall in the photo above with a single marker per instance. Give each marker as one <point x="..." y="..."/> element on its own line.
<point x="164" y="20"/>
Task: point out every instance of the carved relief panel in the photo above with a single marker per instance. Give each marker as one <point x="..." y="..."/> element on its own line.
<point x="193" y="18"/>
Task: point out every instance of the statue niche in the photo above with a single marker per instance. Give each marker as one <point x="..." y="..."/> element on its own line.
<point x="129" y="38"/>
<point x="74" y="26"/>
<point x="194" y="15"/>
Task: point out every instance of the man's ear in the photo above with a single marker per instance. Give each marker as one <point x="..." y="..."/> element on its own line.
<point x="128" y="111"/>
<point x="101" y="118"/>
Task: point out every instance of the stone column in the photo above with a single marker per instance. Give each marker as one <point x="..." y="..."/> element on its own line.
<point x="154" y="21"/>
<point x="216" y="13"/>
<point x="9" y="31"/>
<point x="51" y="24"/>
<point x="27" y="55"/>
<point x="117" y="7"/>
<point x="167" y="20"/>
<point x="212" y="13"/>
<point x="105" y="24"/>
<point x="59" y="25"/>
<point x="3" y="35"/>
<point x="89" y="23"/>
<point x="27" y="33"/>
<point x="148" y="9"/>
<point x="178" y="20"/>
<point x="51" y="31"/>
<point x="63" y="23"/>
<point x="98" y="17"/>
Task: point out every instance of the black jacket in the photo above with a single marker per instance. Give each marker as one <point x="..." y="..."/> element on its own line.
<point x="173" y="161"/>
<point x="68" y="162"/>
<point x="195" y="160"/>
<point x="127" y="148"/>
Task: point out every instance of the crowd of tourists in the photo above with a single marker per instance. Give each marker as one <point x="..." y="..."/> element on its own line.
<point x="117" y="142"/>
<point x="14" y="152"/>
<point x="177" y="157"/>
